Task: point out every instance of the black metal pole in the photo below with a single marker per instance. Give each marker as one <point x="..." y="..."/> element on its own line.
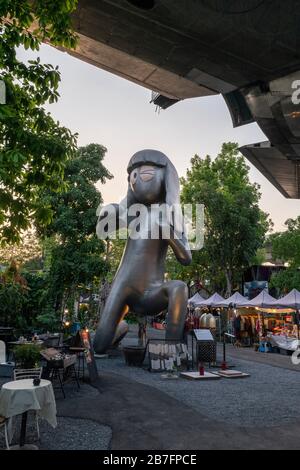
<point x="23" y="429"/>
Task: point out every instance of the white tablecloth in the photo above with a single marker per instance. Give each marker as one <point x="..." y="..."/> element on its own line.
<point x="284" y="342"/>
<point x="21" y="395"/>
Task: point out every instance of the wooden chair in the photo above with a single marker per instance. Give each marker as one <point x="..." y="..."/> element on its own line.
<point x="21" y="374"/>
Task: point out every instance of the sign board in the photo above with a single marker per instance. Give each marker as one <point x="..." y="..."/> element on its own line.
<point x="167" y="355"/>
<point x="203" y="335"/>
<point x="89" y="354"/>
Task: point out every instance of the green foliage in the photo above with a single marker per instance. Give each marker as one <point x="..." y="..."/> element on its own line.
<point x="36" y="285"/>
<point x="235" y="227"/>
<point x="13" y="297"/>
<point x="75" y="207"/>
<point x="76" y="256"/>
<point x="49" y="319"/>
<point x="27" y="356"/>
<point x="259" y="258"/>
<point x="33" y="147"/>
<point x="286" y="246"/>
<point x="286" y="280"/>
<point x="114" y="253"/>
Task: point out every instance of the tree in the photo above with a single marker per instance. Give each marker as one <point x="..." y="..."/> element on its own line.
<point x="13" y="297"/>
<point x="286" y="246"/>
<point x="27" y="249"/>
<point x="235" y="226"/>
<point x="77" y="257"/>
<point x="34" y="148"/>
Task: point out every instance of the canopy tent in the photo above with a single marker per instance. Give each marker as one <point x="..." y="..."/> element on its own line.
<point x="270" y="312"/>
<point x="291" y="300"/>
<point x="262" y="300"/>
<point x="195" y="300"/>
<point x="236" y="300"/>
<point x="214" y="301"/>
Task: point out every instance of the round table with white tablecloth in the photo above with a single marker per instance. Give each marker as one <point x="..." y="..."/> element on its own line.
<point x="20" y="396"/>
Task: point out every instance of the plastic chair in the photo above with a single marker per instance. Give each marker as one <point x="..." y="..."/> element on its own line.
<point x="21" y="374"/>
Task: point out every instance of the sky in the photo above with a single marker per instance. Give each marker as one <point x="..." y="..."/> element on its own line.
<point x="109" y="110"/>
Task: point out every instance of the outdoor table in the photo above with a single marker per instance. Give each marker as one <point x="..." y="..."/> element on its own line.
<point x="19" y="343"/>
<point x="20" y="396"/>
<point x="284" y="342"/>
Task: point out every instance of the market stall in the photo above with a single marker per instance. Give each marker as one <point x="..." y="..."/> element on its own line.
<point x="270" y="320"/>
<point x="288" y="337"/>
<point x="195" y="300"/>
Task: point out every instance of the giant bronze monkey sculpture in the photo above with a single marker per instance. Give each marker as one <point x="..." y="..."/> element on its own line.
<point x="139" y="283"/>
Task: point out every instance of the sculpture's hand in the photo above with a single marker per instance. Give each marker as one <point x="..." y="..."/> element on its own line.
<point x="172" y="228"/>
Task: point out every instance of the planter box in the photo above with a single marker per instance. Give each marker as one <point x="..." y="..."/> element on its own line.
<point x="134" y="355"/>
<point x="7" y="369"/>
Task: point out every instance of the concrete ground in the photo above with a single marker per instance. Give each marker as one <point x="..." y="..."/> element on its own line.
<point x="131" y="408"/>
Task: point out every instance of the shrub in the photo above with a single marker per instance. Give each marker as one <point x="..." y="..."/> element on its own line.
<point x="27" y="356"/>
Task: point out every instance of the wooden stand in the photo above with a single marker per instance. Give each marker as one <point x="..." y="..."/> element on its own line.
<point x="197" y="376"/>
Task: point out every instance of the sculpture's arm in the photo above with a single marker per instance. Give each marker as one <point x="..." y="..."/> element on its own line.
<point x="111" y="218"/>
<point x="180" y="247"/>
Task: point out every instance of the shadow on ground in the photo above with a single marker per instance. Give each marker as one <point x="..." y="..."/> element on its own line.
<point x="142" y="417"/>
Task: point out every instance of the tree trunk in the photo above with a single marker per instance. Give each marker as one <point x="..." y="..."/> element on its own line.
<point x="228" y="275"/>
<point x="103" y="294"/>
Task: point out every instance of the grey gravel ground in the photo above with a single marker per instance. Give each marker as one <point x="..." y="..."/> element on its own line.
<point x="75" y="434"/>
<point x="70" y="433"/>
<point x="269" y="397"/>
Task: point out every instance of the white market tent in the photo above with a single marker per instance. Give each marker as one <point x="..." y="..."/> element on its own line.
<point x="236" y="301"/>
<point x="195" y="300"/>
<point x="262" y="300"/>
<point x="291" y="300"/>
<point x="214" y="301"/>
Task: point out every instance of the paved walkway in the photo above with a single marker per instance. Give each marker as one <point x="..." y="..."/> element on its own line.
<point x="142" y="417"/>
<point x="275" y="360"/>
<point x="146" y="412"/>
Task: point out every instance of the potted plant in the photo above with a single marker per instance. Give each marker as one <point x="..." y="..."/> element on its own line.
<point x="27" y="356"/>
<point x="134" y="355"/>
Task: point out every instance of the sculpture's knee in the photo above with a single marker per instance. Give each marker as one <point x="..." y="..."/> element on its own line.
<point x="179" y="288"/>
<point x="107" y="335"/>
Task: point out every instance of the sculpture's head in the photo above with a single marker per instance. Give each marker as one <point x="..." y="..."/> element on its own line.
<point x="152" y="179"/>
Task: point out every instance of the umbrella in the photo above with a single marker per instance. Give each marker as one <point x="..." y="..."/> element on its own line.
<point x="194" y="301"/>
<point x="262" y="300"/>
<point x="236" y="300"/>
<point x="214" y="301"/>
<point x="291" y="300"/>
